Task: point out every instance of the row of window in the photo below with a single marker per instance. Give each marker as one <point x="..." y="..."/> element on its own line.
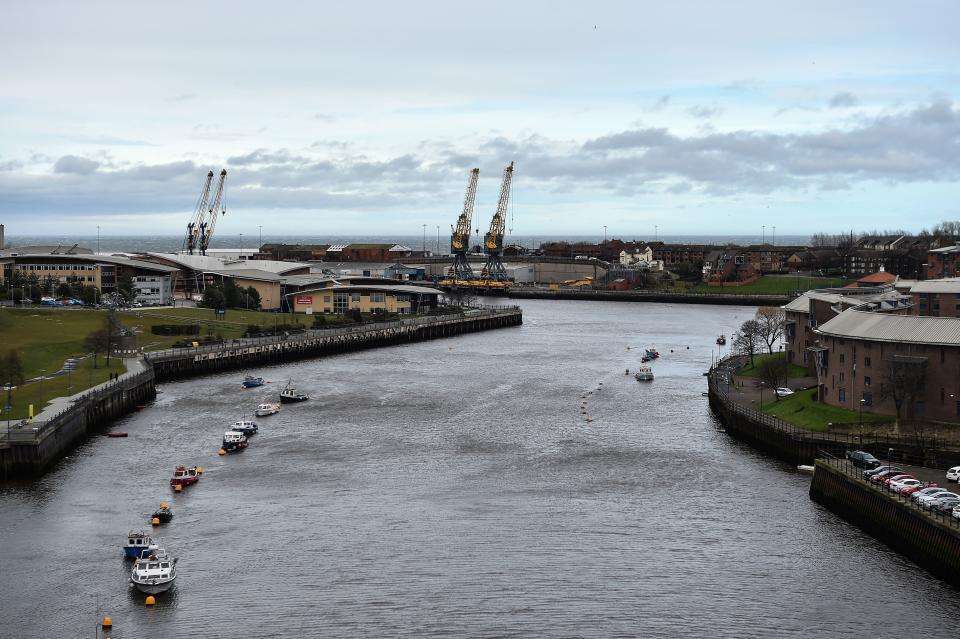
<point x="57" y="267"/>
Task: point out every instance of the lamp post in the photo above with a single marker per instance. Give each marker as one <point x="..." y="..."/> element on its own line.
<point x="862" y="402"/>
<point x="604" y="233"/>
<point x="889" y="455"/>
<point x="43" y="373"/>
<point x="424" y="240"/>
<point x="98" y="239"/>
<point x="260" y="226"/>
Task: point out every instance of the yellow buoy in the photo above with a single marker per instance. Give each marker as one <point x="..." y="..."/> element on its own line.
<point x="199" y="470"/>
<point x="177" y="488"/>
<point x="164" y="505"/>
<point x="150" y="600"/>
<point x="107" y="622"/>
<point x="221" y="452"/>
<point x="155" y="521"/>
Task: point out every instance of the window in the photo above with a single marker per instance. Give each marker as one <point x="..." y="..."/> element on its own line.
<point x="378" y="298"/>
<point x="866" y="362"/>
<point x="868" y="399"/>
<point x="841" y="358"/>
<point x="842" y="395"/>
<point x="866" y="381"/>
<point x="355" y="297"/>
<point x="341" y="302"/>
<point x="841" y="377"/>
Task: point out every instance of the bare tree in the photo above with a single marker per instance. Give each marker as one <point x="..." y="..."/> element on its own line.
<point x="770" y="324"/>
<point x="97" y="342"/>
<point x="773" y="372"/>
<point x="747" y="339"/>
<point x="905" y="380"/>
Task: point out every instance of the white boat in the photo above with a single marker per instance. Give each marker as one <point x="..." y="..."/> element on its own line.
<point x="644" y="374"/>
<point x="267" y="409"/>
<point x="154" y="573"/>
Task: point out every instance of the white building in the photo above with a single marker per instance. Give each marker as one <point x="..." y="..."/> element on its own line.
<point x="641" y="259"/>
<point x="152" y="289"/>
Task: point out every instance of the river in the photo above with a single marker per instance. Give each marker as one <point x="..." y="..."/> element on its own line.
<point x="456" y="488"/>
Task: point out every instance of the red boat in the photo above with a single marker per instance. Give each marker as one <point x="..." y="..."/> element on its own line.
<point x="184" y="476"/>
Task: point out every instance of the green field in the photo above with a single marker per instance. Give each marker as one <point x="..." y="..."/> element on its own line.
<point x="804" y="411"/>
<point x="750" y="370"/>
<point x="773" y="285"/>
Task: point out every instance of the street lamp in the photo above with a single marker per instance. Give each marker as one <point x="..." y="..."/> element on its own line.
<point x="438" y="239"/>
<point x="424" y="240"/>
<point x="43" y="373"/>
<point x="604" y="233"/>
<point x="862" y="402"/>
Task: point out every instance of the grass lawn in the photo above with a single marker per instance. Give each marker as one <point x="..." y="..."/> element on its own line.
<point x="750" y="370"/>
<point x="39" y="393"/>
<point x="803" y="410"/>
<point x="773" y="285"/>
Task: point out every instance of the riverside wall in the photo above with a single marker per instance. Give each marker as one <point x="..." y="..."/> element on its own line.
<point x="931" y="542"/>
<point x="29" y="449"/>
<point x="733" y="299"/>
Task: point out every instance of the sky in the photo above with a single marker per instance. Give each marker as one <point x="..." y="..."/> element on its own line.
<point x="366" y="117"/>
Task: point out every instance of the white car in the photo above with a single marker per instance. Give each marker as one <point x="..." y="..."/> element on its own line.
<point x="898" y="486"/>
<point x="953" y="474"/>
<point x="783" y="392"/>
<point x="956" y="512"/>
<point x="932" y="491"/>
<point x="928" y="500"/>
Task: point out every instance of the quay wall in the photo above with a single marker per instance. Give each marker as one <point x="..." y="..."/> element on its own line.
<point x="29" y="449"/>
<point x="240" y="354"/>
<point x="649" y="296"/>
<point x="931" y="542"/>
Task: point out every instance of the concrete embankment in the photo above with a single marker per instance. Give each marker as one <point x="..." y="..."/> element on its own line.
<point x="648" y="296"/>
<point x="241" y="354"/>
<point x="29" y="448"/>
<point x="932" y="542"/>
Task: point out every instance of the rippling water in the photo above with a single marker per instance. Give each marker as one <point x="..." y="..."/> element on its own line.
<point x="455" y="488"/>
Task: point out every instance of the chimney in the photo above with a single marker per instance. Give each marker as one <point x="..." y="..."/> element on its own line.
<point x="2" y="245"/>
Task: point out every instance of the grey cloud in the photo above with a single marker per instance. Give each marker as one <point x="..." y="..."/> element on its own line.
<point x="159" y="172"/>
<point x="659" y="105"/>
<point x="11" y="165"/>
<point x="703" y="112"/>
<point x="843" y="99"/>
<point x="76" y="165"/>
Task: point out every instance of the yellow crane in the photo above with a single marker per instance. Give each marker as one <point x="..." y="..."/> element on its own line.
<point x="493" y="240"/>
<point x="460" y="236"/>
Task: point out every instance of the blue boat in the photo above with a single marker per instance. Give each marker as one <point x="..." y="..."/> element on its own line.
<point x="252" y="382"/>
<point x="651" y="353"/>
<point x="138" y="544"/>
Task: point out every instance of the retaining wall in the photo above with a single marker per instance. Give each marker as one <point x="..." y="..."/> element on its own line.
<point x="649" y="296"/>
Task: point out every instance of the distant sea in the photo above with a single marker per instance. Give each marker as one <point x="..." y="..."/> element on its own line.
<point x="173" y="243"/>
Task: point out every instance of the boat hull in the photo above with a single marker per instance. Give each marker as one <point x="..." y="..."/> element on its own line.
<point x="153" y="587"/>
<point x="234" y="447"/>
<point x="293" y="400"/>
<point x="135" y="552"/>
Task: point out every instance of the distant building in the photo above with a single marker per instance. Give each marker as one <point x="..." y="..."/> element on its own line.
<point x="367" y="295"/>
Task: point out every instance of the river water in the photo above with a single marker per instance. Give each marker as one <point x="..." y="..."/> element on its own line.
<point x="456" y="488"/>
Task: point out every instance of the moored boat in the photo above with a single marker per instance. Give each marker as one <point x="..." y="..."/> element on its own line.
<point x="252" y="382"/>
<point x="267" y="409"/>
<point x="138" y="544"/>
<point x="163" y="514"/>
<point x="290" y="395"/>
<point x="651" y="353"/>
<point x="184" y="476"/>
<point x="644" y="374"/>
<point x="245" y="426"/>
<point x="234" y="441"/>
<point x="154" y="573"/>
<point x="722" y="339"/>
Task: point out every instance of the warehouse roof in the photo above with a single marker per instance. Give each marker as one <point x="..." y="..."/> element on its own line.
<point x="884" y="327"/>
<point x="95" y="259"/>
<point x="211" y="263"/>
<point x="946" y="285"/>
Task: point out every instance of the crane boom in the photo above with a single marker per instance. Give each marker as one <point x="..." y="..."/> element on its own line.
<point x="193" y="226"/>
<point x="493" y="240"/>
<point x="206" y="227"/>
<point x="460" y="239"/>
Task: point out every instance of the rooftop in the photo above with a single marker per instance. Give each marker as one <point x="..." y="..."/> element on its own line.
<point x="946" y="285"/>
<point x="883" y="327"/>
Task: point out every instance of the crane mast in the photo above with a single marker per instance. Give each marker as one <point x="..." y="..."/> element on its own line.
<point x="193" y="226"/>
<point x="493" y="240"/>
<point x="207" y="226"/>
<point x="460" y="239"/>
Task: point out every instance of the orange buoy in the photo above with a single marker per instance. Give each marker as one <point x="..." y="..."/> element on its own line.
<point x="150" y="600"/>
<point x="221" y="452"/>
<point x="107" y="622"/>
<point x="177" y="488"/>
<point x="155" y="521"/>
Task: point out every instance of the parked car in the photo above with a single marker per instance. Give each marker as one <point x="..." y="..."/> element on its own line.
<point x="886" y="481"/>
<point x="924" y="492"/>
<point x="945" y="506"/>
<point x="928" y="500"/>
<point x="956" y="512"/>
<point x="870" y="472"/>
<point x="954" y="474"/>
<point x="783" y="392"/>
<point x="909" y="491"/>
<point x="862" y="459"/>
<point x="910" y="482"/>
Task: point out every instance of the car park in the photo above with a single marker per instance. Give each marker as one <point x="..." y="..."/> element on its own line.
<point x="924" y="492"/>
<point x="870" y="472"/>
<point x="862" y="459"/>
<point x="954" y="474"/>
<point x="928" y="500"/>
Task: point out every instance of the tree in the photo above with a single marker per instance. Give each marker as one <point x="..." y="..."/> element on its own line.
<point x="126" y="289"/>
<point x="747" y="339"/>
<point x="770" y="323"/>
<point x="773" y="372"/>
<point x="97" y="342"/>
<point x="11" y="372"/>
<point x="251" y="298"/>
<point x="89" y="294"/>
<point x="64" y="290"/>
<point x="213" y="297"/>
<point x="904" y="381"/>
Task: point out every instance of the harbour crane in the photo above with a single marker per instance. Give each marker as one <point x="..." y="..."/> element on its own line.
<point x="193" y="226"/>
<point x="207" y="226"/>
<point x="460" y="237"/>
<point x="493" y="240"/>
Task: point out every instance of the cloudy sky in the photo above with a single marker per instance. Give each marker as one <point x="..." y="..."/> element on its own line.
<point x="366" y="117"/>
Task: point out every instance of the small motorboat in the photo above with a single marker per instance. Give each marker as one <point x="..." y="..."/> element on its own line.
<point x="722" y="339"/>
<point x="233" y="441"/>
<point x="267" y="409"/>
<point x="155" y="572"/>
<point x="138" y="544"/>
<point x="651" y="353"/>
<point x="184" y="476"/>
<point x="644" y="374"/>
<point x="163" y="514"/>
<point x="245" y="426"/>
<point x="290" y="395"/>
<point x="252" y="382"/>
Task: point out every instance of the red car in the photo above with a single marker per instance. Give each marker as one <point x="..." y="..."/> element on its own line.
<point x="886" y="480"/>
<point x="913" y="489"/>
<point x="879" y="477"/>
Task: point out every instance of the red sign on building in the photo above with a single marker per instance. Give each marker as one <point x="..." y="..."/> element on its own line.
<point x="304" y="299"/>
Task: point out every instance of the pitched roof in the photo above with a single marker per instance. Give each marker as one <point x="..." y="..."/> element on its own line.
<point x="946" y="285"/>
<point x="880" y="277"/>
<point x="884" y="327"/>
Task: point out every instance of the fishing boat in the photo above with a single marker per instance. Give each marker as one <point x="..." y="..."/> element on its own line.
<point x="138" y="544"/>
<point x="290" y="395"/>
<point x="252" y="382"/>
<point x="163" y="514"/>
<point x="722" y="339"/>
<point x="155" y="572"/>
<point x="651" y="353"/>
<point x="644" y="374"/>
<point x="245" y="426"/>
<point x="267" y="409"/>
<point x="184" y="476"/>
<point x="233" y="441"/>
